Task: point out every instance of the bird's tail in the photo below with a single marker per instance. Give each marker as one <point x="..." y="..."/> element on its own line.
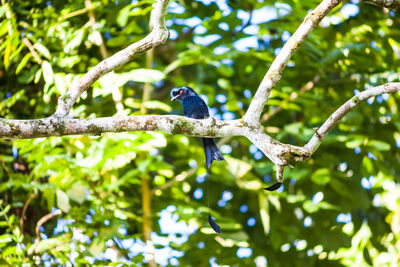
<point x="211" y="151"/>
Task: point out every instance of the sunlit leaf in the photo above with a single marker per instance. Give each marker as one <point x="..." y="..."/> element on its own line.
<point x="48" y="74"/>
<point x="321" y="176"/>
<point x="146" y="75"/>
<point x="122" y="17"/>
<point x="63" y="201"/>
<point x="42" y="50"/>
<point x="77" y="192"/>
<point x="379" y="145"/>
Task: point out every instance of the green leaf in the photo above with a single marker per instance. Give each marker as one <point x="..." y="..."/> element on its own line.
<point x="154" y="104"/>
<point x="146" y="75"/>
<point x="367" y="163"/>
<point x="238" y="168"/>
<point x="60" y="84"/>
<point x="310" y="207"/>
<point x="23" y="62"/>
<point x="6" y="238"/>
<point x="77" y="192"/>
<point x="47" y="244"/>
<point x="2" y="10"/>
<point x="264" y="212"/>
<point x="49" y="195"/>
<point x="63" y="201"/>
<point x="3" y="28"/>
<point x="224" y="83"/>
<point x="42" y="50"/>
<point x="117" y="41"/>
<point x="123" y="14"/>
<point x="354" y="143"/>
<point x="7" y="53"/>
<point x="119" y="214"/>
<point x="321" y="176"/>
<point x="5" y="210"/>
<point x="294" y="128"/>
<point x="395" y="46"/>
<point x="97" y="246"/>
<point x="37" y="76"/>
<point x="48" y="74"/>
<point x="379" y="145"/>
<point x="75" y="41"/>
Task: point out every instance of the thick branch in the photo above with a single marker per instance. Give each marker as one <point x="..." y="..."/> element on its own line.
<point x="26" y="129"/>
<point x="157" y="36"/>
<point x="278" y="153"/>
<point x="334" y="119"/>
<point x="391" y="4"/>
<point x="273" y="76"/>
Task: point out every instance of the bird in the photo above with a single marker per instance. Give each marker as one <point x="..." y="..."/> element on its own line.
<point x="195" y="107"/>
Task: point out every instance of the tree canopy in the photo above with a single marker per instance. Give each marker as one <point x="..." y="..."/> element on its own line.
<point x="140" y="197"/>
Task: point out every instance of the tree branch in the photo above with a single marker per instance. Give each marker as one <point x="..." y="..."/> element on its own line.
<point x="280" y="154"/>
<point x="157" y="36"/>
<point x="43" y="220"/>
<point x="32" y="50"/>
<point x="391" y="4"/>
<point x="37" y="229"/>
<point x="172" y="124"/>
<point x="334" y="119"/>
<point x="273" y="75"/>
<point x="23" y="217"/>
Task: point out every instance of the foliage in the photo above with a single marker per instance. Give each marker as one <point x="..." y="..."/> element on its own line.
<point x="339" y="208"/>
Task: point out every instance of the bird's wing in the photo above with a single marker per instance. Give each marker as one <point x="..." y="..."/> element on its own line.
<point x="195" y="107"/>
<point x="204" y="108"/>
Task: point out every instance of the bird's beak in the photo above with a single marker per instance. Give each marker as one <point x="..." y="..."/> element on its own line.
<point x="174" y="98"/>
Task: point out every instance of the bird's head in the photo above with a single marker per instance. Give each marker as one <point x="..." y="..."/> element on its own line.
<point x="181" y="93"/>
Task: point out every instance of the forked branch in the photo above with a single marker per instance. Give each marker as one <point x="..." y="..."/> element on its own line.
<point x="280" y="154"/>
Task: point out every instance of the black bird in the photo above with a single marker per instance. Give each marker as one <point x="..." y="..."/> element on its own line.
<point x="195" y="107"/>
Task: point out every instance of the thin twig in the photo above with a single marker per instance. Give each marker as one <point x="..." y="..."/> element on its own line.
<point x="43" y="220"/>
<point x="3" y="164"/>
<point x="147" y="86"/>
<point x="92" y="21"/>
<point x="32" y="50"/>
<point x="75" y="13"/>
<point x="23" y="217"/>
<point x="336" y="116"/>
<point x="179" y="178"/>
<point x="273" y="75"/>
<point x="116" y="93"/>
<point x="292" y="97"/>
<point x="40" y="223"/>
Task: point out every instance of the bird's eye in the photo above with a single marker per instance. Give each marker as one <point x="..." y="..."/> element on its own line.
<point x="180" y="92"/>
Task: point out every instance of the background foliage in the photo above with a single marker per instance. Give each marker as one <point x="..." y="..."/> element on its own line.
<point x="339" y="208"/>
